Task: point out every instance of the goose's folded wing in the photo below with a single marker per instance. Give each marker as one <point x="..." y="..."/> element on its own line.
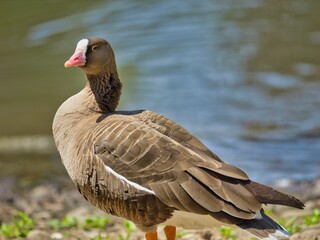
<point x="179" y="134"/>
<point x="179" y="175"/>
<point x="176" y="132"/>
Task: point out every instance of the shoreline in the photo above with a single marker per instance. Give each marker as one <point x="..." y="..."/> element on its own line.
<point x="59" y="200"/>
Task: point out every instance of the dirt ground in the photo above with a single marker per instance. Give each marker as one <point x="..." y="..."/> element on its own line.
<point x="60" y="200"/>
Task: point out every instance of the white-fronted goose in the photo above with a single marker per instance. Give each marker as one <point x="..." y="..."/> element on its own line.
<point x="144" y="167"/>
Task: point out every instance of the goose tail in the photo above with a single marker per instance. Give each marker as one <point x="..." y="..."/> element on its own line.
<point x="264" y="228"/>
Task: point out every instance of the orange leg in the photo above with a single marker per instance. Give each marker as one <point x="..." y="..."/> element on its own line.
<point x="170" y="232"/>
<point x="152" y="235"/>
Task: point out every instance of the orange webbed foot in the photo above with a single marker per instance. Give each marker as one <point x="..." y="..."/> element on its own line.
<point x="152" y="235"/>
<point x="170" y="232"/>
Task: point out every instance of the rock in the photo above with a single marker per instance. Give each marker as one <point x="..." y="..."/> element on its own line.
<point x="6" y="189"/>
<point x="56" y="235"/>
<point x="7" y="212"/>
<point x="311" y="233"/>
<point x="207" y="234"/>
<point x="83" y="212"/>
<point x="283" y="183"/>
<point x="80" y="213"/>
<point x="38" y="235"/>
<point x="311" y="204"/>
<point x="41" y="218"/>
<point x="43" y="192"/>
<point x="94" y="233"/>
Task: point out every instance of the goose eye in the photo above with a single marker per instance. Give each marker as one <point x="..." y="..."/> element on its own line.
<point x="94" y="48"/>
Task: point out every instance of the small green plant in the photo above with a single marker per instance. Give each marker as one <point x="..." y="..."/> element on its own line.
<point x="294" y="225"/>
<point x="226" y="233"/>
<point x="268" y="211"/>
<point x="129" y="229"/>
<point x="66" y="222"/>
<point x="99" y="237"/>
<point x="20" y="227"/>
<point x="290" y="225"/>
<point x="181" y="234"/>
<point x="313" y="219"/>
<point x="95" y="222"/>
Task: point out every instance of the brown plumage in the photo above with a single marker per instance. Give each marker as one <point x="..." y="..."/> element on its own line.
<point x="144" y="167"/>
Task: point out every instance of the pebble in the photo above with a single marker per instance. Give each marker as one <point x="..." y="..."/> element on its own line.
<point x="56" y="235"/>
<point x="311" y="233"/>
<point x="283" y="183"/>
<point x="38" y="235"/>
<point x="207" y="234"/>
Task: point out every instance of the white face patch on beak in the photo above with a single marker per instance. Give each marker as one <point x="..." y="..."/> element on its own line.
<point x="82" y="46"/>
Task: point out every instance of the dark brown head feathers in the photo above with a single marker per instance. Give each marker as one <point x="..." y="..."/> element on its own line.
<point x="102" y="75"/>
<point x="99" y="57"/>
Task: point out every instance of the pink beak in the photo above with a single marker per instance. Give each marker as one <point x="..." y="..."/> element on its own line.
<point x="76" y="60"/>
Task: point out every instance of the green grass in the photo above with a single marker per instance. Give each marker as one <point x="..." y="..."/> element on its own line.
<point x="70" y="222"/>
<point x="99" y="237"/>
<point x="227" y="233"/>
<point x="91" y="223"/>
<point x="181" y="234"/>
<point x="95" y="222"/>
<point x="66" y="222"/>
<point x="290" y="225"/>
<point x="20" y="227"/>
<point x="294" y="224"/>
<point x="313" y="219"/>
<point x="129" y="226"/>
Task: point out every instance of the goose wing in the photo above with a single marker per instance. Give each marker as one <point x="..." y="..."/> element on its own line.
<point x="158" y="154"/>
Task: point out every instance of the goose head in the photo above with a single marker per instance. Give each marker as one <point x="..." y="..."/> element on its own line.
<point x="93" y="55"/>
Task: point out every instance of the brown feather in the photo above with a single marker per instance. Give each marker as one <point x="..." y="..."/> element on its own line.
<point x="231" y="190"/>
<point x="202" y="196"/>
<point x="181" y="198"/>
<point x="267" y="195"/>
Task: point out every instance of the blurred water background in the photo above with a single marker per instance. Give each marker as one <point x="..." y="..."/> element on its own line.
<point x="243" y="76"/>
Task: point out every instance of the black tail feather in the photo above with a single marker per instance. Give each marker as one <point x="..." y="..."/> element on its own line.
<point x="264" y="228"/>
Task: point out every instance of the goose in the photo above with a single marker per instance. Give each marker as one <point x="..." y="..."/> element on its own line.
<point x="144" y="167"/>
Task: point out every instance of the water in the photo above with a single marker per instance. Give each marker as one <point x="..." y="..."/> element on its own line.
<point x="243" y="77"/>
